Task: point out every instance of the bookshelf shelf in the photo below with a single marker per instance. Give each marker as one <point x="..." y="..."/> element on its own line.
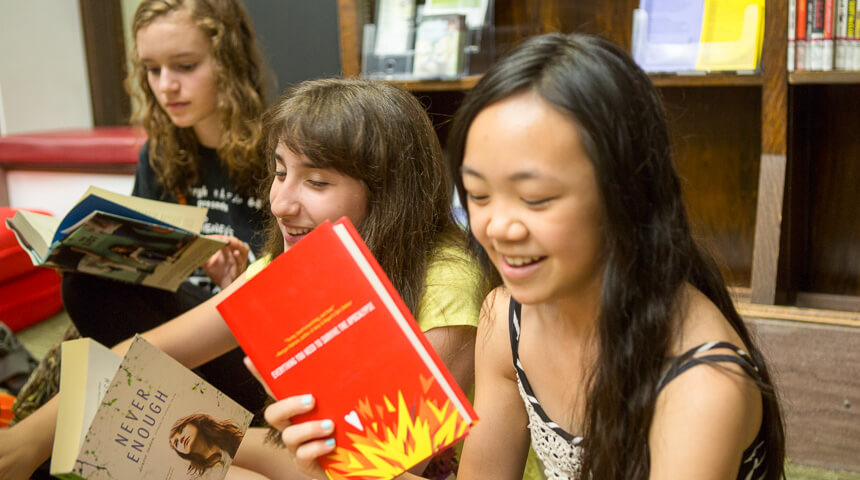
<point x="453" y="85"/>
<point x="823" y="78"/>
<point x="706" y="80"/>
<point x="659" y="79"/>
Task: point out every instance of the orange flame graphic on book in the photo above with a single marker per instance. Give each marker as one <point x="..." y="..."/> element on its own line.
<point x="392" y="438"/>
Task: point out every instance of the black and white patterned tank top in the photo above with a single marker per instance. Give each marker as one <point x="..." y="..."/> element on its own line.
<point x="560" y="452"/>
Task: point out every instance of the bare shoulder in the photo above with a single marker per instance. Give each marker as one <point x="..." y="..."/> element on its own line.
<point x="703" y="421"/>
<point x="493" y="338"/>
<point x="717" y="402"/>
<point x="701" y="322"/>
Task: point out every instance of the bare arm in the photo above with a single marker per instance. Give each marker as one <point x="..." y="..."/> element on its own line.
<point x="503" y="419"/>
<point x="703" y="421"/>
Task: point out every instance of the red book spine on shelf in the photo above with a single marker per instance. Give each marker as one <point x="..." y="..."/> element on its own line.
<point x="800" y="41"/>
<point x="323" y="318"/>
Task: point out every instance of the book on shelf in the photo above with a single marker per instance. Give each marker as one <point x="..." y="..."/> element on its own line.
<point x="701" y="35"/>
<point x="840" y="35"/>
<point x="121" y="237"/>
<point x="140" y="416"/>
<point x="476" y="11"/>
<point x="440" y="41"/>
<point x="791" y="36"/>
<point x="324" y="319"/>
<point x="801" y="42"/>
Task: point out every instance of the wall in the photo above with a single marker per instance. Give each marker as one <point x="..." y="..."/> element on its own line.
<point x="299" y="38"/>
<point x="43" y="73"/>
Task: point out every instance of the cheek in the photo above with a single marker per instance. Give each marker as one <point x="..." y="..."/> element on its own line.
<point x="478" y="225"/>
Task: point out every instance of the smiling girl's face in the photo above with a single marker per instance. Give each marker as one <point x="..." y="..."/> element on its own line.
<point x="533" y="199"/>
<point x="302" y="196"/>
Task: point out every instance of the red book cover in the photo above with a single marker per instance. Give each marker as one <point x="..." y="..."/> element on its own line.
<point x="323" y="318"/>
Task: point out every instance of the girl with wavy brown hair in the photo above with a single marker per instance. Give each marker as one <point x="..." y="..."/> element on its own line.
<point x="198" y="80"/>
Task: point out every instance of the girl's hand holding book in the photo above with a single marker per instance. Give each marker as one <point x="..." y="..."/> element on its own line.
<point x="228" y="263"/>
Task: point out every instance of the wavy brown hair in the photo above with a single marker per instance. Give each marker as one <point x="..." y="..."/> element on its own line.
<point x="649" y="250"/>
<point x="240" y="74"/>
<point x="380" y="135"/>
<point x="225" y="435"/>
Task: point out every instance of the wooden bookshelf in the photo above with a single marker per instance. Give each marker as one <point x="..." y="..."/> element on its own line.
<point x="768" y="162"/>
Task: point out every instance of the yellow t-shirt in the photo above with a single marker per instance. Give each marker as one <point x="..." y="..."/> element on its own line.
<point x="451" y="296"/>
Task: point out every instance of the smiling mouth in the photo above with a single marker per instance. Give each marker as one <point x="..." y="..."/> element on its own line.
<point x="521" y="261"/>
<point x="297" y="231"/>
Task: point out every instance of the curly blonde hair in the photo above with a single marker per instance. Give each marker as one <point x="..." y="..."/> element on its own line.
<point x="240" y="74"/>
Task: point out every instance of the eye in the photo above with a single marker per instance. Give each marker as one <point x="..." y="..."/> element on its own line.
<point x="537" y="203"/>
<point x="152" y="70"/>
<point x="318" y="184"/>
<point x="280" y="174"/>
<point x="186" y="67"/>
<point x="474" y="198"/>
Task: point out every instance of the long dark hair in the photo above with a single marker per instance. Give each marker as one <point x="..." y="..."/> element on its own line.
<point x="241" y="81"/>
<point x="225" y="435"/>
<point x="648" y="248"/>
<point x="380" y="135"/>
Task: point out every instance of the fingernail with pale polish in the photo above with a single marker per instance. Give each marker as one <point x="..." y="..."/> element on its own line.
<point x="307" y="399"/>
<point x="326" y="425"/>
<point x="329" y="442"/>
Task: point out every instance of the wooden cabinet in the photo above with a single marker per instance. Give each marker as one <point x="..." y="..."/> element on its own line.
<point x="768" y="160"/>
<point x="771" y="176"/>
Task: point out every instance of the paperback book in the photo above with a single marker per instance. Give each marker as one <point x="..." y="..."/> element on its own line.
<point x="121" y="237"/>
<point x="439" y="46"/>
<point x="140" y="416"/>
<point x="323" y="318"/>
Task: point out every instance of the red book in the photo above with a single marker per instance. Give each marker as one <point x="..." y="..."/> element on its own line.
<point x="324" y="319"/>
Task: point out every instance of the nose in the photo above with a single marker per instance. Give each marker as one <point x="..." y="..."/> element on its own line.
<point x="505" y="226"/>
<point x="167" y="81"/>
<point x="284" y="199"/>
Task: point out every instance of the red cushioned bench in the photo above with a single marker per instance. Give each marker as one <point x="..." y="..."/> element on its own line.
<point x="92" y="150"/>
<point x="29" y="294"/>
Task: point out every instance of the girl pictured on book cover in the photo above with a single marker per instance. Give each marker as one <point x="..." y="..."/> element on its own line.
<point x="611" y="345"/>
<point x="336" y="147"/>
<point x="204" y="441"/>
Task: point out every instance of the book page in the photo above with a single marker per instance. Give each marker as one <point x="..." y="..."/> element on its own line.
<point x="33" y="232"/>
<point x="188" y="217"/>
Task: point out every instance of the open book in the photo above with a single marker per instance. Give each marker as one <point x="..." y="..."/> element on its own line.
<point x="324" y="319"/>
<point x="141" y="416"/>
<point x="125" y="238"/>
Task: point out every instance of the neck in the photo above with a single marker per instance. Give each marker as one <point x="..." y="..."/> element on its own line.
<point x="208" y="131"/>
<point x="574" y="314"/>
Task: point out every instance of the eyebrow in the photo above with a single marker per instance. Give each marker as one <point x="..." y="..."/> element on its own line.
<point x="515" y="177"/>
<point x="175" y="56"/>
<point x="309" y="165"/>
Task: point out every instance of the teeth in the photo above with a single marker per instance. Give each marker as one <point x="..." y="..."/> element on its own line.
<point x="520" y="261"/>
<point x="297" y="231"/>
